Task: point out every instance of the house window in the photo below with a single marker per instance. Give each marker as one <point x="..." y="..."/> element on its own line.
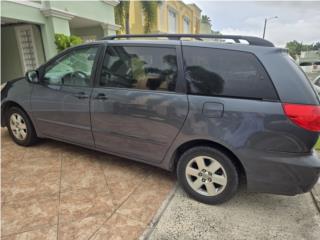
<point x="142" y="19"/>
<point x="186" y="25"/>
<point x="160" y="17"/>
<point x="27" y="47"/>
<point x="172" y="21"/>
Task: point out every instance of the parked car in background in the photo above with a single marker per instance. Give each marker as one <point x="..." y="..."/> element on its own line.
<point x="212" y="112"/>
<point x="316" y="81"/>
<point x="317" y="88"/>
<point x="309" y="61"/>
<point x="316" y="84"/>
<point x="310" y="66"/>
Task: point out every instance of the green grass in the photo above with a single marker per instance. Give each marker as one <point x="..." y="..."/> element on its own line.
<point x="317" y="145"/>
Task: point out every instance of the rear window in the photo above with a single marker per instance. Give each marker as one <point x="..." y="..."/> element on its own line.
<point x="229" y="73"/>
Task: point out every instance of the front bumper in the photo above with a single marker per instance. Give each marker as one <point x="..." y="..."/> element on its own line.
<point x="2" y="116"/>
<point x="281" y="173"/>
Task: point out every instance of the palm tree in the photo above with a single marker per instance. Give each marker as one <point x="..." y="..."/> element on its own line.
<point x="206" y="19"/>
<point x="122" y="15"/>
<point x="150" y="14"/>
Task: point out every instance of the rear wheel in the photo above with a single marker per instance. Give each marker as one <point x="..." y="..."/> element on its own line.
<point x="20" y="127"/>
<point x="207" y="175"/>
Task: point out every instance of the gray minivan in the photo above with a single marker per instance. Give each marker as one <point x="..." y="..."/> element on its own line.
<point x="214" y="112"/>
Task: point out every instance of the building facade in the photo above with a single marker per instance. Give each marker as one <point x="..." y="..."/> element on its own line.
<point x="172" y="17"/>
<point x="28" y="29"/>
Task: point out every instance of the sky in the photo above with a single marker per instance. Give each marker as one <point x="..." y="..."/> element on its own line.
<point x="298" y="20"/>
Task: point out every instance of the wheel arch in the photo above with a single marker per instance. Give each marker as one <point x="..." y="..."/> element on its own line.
<point x="6" y="106"/>
<point x="208" y="143"/>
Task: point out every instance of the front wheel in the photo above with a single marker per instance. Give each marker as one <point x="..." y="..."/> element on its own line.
<point x="20" y="127"/>
<point x="207" y="175"/>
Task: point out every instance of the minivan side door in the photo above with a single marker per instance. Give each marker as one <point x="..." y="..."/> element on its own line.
<point x="138" y="105"/>
<point x="60" y="103"/>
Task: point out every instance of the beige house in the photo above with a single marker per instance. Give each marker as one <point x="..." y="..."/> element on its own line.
<point x="172" y="17"/>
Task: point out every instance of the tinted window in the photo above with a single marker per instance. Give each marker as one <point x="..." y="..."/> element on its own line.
<point x="226" y="73"/>
<point x="73" y="69"/>
<point x="140" y="67"/>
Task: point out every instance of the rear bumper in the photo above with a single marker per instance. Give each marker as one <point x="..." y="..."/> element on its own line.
<point x="281" y="173"/>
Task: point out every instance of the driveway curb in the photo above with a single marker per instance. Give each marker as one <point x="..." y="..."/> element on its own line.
<point x="146" y="234"/>
<point x="315" y="193"/>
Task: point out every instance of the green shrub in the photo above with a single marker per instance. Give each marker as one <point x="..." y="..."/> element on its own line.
<point x="63" y="41"/>
<point x="317" y="146"/>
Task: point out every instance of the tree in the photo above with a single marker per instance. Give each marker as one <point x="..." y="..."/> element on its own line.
<point x="295" y="48"/>
<point x="316" y="46"/>
<point x="122" y="16"/>
<point x="206" y="19"/>
<point x="63" y="41"/>
<point x="150" y="14"/>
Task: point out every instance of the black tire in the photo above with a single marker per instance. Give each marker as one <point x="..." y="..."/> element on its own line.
<point x="31" y="136"/>
<point x="229" y="172"/>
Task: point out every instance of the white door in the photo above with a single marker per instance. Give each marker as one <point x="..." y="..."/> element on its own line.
<point x="27" y="47"/>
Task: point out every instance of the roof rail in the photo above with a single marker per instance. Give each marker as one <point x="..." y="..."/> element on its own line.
<point x="251" y="40"/>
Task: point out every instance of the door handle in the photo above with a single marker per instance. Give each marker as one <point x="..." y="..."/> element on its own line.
<point x="81" y="95"/>
<point x="101" y="96"/>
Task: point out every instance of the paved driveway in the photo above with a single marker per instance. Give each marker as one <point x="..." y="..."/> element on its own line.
<point x="58" y="191"/>
<point x="245" y="217"/>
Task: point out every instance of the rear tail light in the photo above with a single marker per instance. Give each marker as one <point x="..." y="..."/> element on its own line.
<point x="305" y="116"/>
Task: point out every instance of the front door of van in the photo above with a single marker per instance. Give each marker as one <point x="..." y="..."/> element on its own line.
<point x="60" y="104"/>
<point x="135" y="109"/>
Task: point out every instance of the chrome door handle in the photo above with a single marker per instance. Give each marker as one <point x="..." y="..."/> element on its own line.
<point x="101" y="96"/>
<point x="81" y="95"/>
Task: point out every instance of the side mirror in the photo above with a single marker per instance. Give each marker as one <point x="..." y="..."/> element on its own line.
<point x="32" y="76"/>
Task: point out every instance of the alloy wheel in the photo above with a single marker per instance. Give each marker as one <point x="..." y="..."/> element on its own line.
<point x="206" y="176"/>
<point x="18" y="126"/>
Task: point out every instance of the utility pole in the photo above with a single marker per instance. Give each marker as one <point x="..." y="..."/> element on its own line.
<point x="264" y="28"/>
<point x="265" y="25"/>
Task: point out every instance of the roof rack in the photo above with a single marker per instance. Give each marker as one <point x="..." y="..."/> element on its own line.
<point x="251" y="40"/>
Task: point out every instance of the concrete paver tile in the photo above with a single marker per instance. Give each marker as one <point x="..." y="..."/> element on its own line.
<point x="83" y="203"/>
<point x="29" y="215"/>
<point x="81" y="229"/>
<point x="119" y="227"/>
<point x="46" y="233"/>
